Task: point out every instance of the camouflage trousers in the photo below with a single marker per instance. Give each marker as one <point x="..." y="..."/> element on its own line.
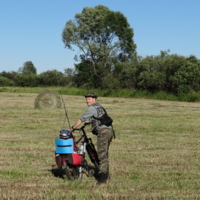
<point x="104" y="139"/>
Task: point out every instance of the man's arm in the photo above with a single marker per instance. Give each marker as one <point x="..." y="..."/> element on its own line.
<point x="78" y="123"/>
<point x="86" y="116"/>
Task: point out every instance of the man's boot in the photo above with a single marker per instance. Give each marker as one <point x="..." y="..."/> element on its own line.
<point x="103" y="176"/>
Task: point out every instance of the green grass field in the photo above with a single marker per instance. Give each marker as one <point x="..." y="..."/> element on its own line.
<point x="156" y="154"/>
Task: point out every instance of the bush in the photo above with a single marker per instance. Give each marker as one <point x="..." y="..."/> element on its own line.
<point x="6" y="81"/>
<point x="187" y="78"/>
<point x="191" y="97"/>
<point x="9" y="75"/>
<point x="53" y="78"/>
<point x="30" y="80"/>
<point x="150" y="74"/>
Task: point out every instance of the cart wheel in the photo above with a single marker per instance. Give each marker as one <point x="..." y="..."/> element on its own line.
<point x="73" y="172"/>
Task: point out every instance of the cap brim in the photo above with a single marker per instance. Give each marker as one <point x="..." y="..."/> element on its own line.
<point x="91" y="96"/>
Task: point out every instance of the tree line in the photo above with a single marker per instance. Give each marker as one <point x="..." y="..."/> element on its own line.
<point x="27" y="76"/>
<point x="171" y="73"/>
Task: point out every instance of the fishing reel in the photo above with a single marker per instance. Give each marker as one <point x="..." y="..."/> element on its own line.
<point x="65" y="134"/>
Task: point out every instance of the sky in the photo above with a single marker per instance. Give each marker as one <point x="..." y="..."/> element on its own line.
<point x="31" y="30"/>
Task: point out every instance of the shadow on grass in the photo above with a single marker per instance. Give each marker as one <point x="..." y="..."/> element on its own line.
<point x="59" y="173"/>
<point x="89" y="171"/>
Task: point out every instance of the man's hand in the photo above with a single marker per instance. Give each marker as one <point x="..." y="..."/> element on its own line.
<point x="77" y="124"/>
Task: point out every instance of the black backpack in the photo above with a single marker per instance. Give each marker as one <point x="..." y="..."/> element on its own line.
<point x="105" y="119"/>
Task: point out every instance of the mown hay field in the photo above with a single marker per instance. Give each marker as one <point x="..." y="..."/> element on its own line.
<point x="156" y="154"/>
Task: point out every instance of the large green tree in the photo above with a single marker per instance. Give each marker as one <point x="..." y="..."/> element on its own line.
<point x="103" y="37"/>
<point x="28" y="68"/>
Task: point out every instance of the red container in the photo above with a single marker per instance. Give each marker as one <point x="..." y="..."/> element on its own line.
<point x="75" y="158"/>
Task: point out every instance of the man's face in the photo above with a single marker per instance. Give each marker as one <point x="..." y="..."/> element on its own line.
<point x="90" y="101"/>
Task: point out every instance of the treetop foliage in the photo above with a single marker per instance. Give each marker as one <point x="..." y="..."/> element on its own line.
<point x="104" y="38"/>
<point x="28" y="68"/>
<point x="99" y="32"/>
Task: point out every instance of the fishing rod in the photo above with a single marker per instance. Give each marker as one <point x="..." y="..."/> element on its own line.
<point x="66" y="115"/>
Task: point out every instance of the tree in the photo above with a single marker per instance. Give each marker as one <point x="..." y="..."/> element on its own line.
<point x="187" y="78"/>
<point x="84" y="77"/>
<point x="6" y="81"/>
<point x="26" y="80"/>
<point x="124" y="73"/>
<point x="53" y="78"/>
<point x="104" y="37"/>
<point x="150" y="73"/>
<point x="10" y="75"/>
<point x="28" y="68"/>
<point x="69" y="71"/>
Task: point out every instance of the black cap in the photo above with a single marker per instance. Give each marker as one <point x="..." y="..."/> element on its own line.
<point x="90" y="94"/>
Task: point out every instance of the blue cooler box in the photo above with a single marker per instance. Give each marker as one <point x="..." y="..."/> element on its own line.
<point x="64" y="146"/>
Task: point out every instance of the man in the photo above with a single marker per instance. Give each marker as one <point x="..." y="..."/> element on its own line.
<point x="104" y="133"/>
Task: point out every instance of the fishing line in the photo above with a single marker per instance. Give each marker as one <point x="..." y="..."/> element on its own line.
<point x="66" y="115"/>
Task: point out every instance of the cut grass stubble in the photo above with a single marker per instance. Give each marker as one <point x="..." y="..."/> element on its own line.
<point x="155" y="155"/>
